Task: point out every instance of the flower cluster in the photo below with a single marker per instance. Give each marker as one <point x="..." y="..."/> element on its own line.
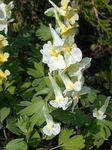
<point x="64" y="58"/>
<point x="5" y="18"/>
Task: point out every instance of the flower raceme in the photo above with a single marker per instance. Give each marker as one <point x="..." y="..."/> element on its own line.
<point x="64" y="58"/>
<point x="51" y="128"/>
<point x="5" y="19"/>
<point x="60" y="54"/>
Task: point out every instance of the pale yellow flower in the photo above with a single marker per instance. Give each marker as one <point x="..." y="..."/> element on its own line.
<point x="64" y="3"/>
<point x="3" y="75"/>
<point x="3" y="41"/>
<point x="4" y="57"/>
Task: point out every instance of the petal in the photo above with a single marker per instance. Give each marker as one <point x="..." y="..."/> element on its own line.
<point x="85" y="90"/>
<point x="47" y="131"/>
<point x="61" y="62"/>
<point x="56" y="39"/>
<point x="86" y="62"/>
<point x="7" y="72"/>
<point x="104" y="107"/>
<point x="50" y="12"/>
<point x="61" y="11"/>
<point x="54" y="103"/>
<point x="64" y="3"/>
<point x="56" y="129"/>
<point x="77" y="86"/>
<point x="77" y="54"/>
<point x="11" y="5"/>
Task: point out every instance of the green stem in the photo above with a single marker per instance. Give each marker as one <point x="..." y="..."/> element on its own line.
<point x="5" y="135"/>
<point x="56" y="147"/>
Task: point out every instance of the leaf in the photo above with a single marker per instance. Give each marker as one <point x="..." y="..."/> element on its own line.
<point x="4" y="112"/>
<point x="34" y="139"/>
<point x="34" y="109"/>
<point x="43" y="33"/>
<point x="65" y="117"/>
<point x="17" y="144"/>
<point x="37" y="72"/>
<point x="11" y="90"/>
<point x="12" y="126"/>
<point x="39" y="68"/>
<point x="71" y="142"/>
<point x="42" y="92"/>
<point x="36" y="82"/>
<point x="33" y="73"/>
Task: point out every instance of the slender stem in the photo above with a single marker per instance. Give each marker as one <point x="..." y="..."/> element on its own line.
<point x="56" y="147"/>
<point x="5" y="135"/>
<point x="48" y="96"/>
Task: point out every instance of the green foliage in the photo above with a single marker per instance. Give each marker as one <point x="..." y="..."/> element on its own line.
<point x="28" y="87"/>
<point x="43" y="33"/>
<point x="17" y="144"/>
<point x="70" y="142"/>
<point x="33" y="109"/>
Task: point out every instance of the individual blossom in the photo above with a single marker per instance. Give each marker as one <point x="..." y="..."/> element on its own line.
<point x="5" y="15"/>
<point x="100" y="114"/>
<point x="51" y="128"/>
<point x="5" y="10"/>
<point x="4" y="57"/>
<point x="76" y="95"/>
<point x="78" y="68"/>
<point x="60" y="101"/>
<point x="66" y="11"/>
<point x="52" y="53"/>
<point x="64" y="29"/>
<point x="72" y="54"/>
<point x="3" y="41"/>
<point x="4" y="75"/>
<point x="69" y="84"/>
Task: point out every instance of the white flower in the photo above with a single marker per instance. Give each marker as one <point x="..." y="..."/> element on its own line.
<point x="76" y="95"/>
<point x="5" y="10"/>
<point x="77" y="69"/>
<point x="51" y="128"/>
<point x="64" y="3"/>
<point x="4" y="57"/>
<point x="60" y="101"/>
<point x="72" y="54"/>
<point x="3" y="75"/>
<point x="60" y="10"/>
<point x="4" y="25"/>
<point x="52" y="53"/>
<point x="70" y="86"/>
<point x="99" y="114"/>
<point x="5" y="15"/>
<point x="3" y="41"/>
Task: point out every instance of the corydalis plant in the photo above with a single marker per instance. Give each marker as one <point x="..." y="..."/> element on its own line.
<point x="5" y="18"/>
<point x="64" y="58"/>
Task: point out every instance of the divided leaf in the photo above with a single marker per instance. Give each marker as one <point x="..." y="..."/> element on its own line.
<point x="71" y="142"/>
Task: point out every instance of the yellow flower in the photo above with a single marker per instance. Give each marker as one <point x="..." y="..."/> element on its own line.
<point x="4" y="57"/>
<point x="65" y="29"/>
<point x="3" y="41"/>
<point x="3" y="75"/>
<point x="64" y="3"/>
